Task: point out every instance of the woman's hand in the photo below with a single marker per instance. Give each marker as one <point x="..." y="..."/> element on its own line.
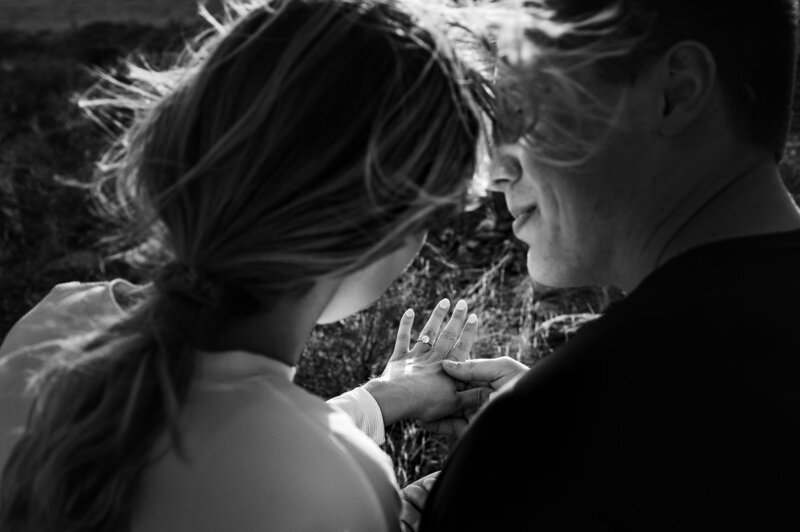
<point x="413" y="385"/>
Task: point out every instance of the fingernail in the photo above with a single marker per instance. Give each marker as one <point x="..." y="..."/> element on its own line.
<point x="444" y="303"/>
<point x="461" y="305"/>
<point x="472" y="318"/>
<point x="409" y="313"/>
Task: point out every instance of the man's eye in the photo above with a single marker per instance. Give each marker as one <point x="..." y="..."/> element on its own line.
<point x="515" y="121"/>
<point x="510" y="120"/>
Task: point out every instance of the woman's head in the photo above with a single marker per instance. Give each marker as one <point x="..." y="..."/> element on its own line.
<point x="302" y="140"/>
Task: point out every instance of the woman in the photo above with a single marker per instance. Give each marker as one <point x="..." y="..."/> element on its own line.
<point x="288" y="169"/>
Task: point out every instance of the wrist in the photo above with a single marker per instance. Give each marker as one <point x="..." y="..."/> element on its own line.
<point x="389" y="398"/>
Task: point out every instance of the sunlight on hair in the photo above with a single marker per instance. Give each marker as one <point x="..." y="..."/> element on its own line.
<point x="287" y="143"/>
<point x="543" y="99"/>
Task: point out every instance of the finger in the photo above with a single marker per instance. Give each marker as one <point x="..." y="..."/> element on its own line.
<point x="463" y="346"/>
<point x="450" y="426"/>
<point x="415" y="495"/>
<point x="431" y="476"/>
<point x="433" y="324"/>
<point x="428" y="481"/>
<point x="451" y="331"/>
<point x="476" y="369"/>
<point x="474" y="398"/>
<point x="401" y="345"/>
<point x="409" y="516"/>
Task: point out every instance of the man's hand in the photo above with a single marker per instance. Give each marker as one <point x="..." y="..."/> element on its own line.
<point x="484" y="376"/>
<point x="413" y="498"/>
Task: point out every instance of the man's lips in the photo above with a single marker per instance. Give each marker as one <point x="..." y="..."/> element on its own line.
<point x="521" y="211"/>
<point x="521" y="216"/>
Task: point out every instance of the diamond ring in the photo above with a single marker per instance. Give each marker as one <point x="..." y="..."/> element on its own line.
<point x="425" y="339"/>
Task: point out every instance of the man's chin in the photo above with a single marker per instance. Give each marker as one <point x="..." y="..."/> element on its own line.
<point x="539" y="270"/>
<point x="550" y="274"/>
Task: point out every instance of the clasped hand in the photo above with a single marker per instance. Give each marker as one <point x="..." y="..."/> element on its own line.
<point x="439" y="385"/>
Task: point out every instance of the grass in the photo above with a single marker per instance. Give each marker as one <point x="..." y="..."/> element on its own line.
<point x="49" y="234"/>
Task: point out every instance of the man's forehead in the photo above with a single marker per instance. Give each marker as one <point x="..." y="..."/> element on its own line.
<point x="513" y="107"/>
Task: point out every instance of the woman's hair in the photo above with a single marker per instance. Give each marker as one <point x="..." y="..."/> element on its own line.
<point x="754" y="44"/>
<point x="296" y="140"/>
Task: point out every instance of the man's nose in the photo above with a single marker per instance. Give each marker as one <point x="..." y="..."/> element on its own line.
<point x="505" y="169"/>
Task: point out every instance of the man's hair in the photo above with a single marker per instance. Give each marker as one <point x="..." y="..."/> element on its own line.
<point x="754" y="44"/>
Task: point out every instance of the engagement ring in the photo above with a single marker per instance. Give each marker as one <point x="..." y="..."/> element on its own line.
<point x="425" y="339"/>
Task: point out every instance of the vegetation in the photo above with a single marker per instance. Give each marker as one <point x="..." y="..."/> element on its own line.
<point x="50" y="234"/>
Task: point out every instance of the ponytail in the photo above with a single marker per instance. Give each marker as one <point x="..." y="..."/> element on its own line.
<point x="94" y="426"/>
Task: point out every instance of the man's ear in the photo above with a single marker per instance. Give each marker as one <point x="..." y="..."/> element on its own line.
<point x="689" y="79"/>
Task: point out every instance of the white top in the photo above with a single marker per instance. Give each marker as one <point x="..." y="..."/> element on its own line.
<point x="265" y="454"/>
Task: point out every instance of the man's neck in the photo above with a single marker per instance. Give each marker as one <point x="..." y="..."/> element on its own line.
<point x="750" y="202"/>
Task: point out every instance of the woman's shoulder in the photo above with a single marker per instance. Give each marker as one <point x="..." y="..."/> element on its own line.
<point x="264" y="457"/>
<point x="68" y="309"/>
<point x="301" y="433"/>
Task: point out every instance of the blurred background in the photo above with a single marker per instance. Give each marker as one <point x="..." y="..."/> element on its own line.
<point x="50" y="232"/>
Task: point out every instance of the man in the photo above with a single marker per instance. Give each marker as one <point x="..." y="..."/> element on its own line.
<point x="646" y="157"/>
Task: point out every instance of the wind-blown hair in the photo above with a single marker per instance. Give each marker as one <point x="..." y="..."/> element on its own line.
<point x="297" y="140"/>
<point x="546" y="51"/>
